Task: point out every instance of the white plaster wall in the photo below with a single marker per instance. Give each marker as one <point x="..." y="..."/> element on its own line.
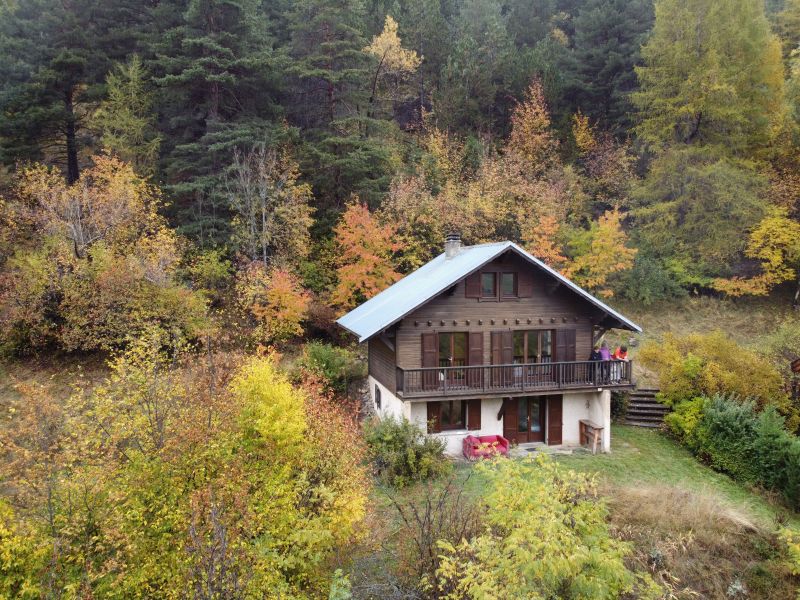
<point x="489" y="424"/>
<point x="391" y="405"/>
<point x="594" y="406"/>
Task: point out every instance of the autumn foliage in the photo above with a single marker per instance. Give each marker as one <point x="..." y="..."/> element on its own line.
<point x="275" y="300"/>
<point x="366" y="250"/>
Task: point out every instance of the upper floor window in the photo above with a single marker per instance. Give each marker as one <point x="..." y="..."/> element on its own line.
<point x="508" y="285"/>
<point x="488" y="285"/>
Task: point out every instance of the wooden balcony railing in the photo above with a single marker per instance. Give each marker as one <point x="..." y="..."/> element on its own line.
<point x="513" y="378"/>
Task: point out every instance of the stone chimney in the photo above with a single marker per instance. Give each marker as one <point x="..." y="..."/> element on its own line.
<point x="452" y="245"/>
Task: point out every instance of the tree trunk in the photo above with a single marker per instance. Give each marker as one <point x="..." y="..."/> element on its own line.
<point x="72" y="146"/>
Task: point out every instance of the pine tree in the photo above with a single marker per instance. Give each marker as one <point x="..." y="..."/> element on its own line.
<point x="608" y="36"/>
<point x="216" y="73"/>
<point x="712" y="74"/>
<point x="346" y="151"/>
<point x="55" y="58"/>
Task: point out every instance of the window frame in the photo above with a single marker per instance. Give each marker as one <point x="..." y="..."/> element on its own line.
<point x="515" y="282"/>
<point x="493" y="295"/>
<point x="450" y="426"/>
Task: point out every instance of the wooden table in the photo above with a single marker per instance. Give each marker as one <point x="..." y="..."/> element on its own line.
<point x="591" y="433"/>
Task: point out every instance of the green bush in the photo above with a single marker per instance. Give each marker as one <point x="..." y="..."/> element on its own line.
<point x="619" y="404"/>
<point x="726" y="435"/>
<point x="751" y="447"/>
<point x="683" y="420"/>
<point x="337" y="366"/>
<point x="402" y="453"/>
<point x="649" y="282"/>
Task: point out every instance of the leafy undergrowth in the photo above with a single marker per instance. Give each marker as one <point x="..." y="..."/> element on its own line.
<point x="700" y="533"/>
<point x="57" y="373"/>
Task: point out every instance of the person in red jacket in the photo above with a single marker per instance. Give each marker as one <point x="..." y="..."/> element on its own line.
<point x="621" y="353"/>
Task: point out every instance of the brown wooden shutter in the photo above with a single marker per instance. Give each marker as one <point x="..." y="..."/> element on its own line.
<point x="434" y="417"/>
<point x="555" y="409"/>
<point x="474" y="414"/>
<point x="525" y="283"/>
<point x="472" y="286"/>
<point x="565" y="345"/>
<point x="511" y="419"/>
<point x="497" y="347"/>
<point x="475" y="376"/>
<point x="430" y="350"/>
<point x="508" y="347"/>
<point x="430" y="358"/>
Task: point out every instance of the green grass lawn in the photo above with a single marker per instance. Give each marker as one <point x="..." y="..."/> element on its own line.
<point x="649" y="457"/>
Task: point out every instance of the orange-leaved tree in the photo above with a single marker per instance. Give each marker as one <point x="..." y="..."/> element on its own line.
<point x="367" y="249"/>
<point x="541" y="240"/>
<point x="601" y="252"/>
<point x="276" y="301"/>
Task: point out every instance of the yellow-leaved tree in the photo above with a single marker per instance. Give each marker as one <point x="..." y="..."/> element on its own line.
<point x="775" y="243"/>
<point x="395" y="64"/>
<point x="99" y="263"/>
<point x="532" y="545"/>
<point x="531" y="137"/>
<point x="600" y="252"/>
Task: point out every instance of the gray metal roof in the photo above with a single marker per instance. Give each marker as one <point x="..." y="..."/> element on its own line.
<point x="430" y="280"/>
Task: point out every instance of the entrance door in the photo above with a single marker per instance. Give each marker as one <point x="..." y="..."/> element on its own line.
<point x="524" y="420"/>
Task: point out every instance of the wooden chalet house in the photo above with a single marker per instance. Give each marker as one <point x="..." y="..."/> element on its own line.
<point x="489" y="340"/>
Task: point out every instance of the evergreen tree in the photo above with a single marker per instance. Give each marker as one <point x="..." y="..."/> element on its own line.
<point x="712" y="74"/>
<point x="217" y="75"/>
<point x="346" y="152"/>
<point x="608" y="36"/>
<point x="55" y="58"/>
<point x="474" y="88"/>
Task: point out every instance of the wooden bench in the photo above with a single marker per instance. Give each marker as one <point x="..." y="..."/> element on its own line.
<point x="591" y="433"/>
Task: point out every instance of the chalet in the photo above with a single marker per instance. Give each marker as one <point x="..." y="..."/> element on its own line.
<point x="489" y="340"/>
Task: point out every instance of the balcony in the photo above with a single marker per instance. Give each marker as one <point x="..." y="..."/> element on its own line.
<point x="513" y="379"/>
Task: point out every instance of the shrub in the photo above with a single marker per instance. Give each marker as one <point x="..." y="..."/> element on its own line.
<point x="619" y="404"/>
<point x="546" y="537"/>
<point x="649" y="282"/>
<point x="734" y="438"/>
<point x="707" y="364"/>
<point x="683" y="420"/>
<point x="402" y="453"/>
<point x="726" y="435"/>
<point x="337" y="366"/>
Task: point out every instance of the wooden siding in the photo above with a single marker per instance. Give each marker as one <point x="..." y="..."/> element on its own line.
<point x="555" y="305"/>
<point x="382" y="363"/>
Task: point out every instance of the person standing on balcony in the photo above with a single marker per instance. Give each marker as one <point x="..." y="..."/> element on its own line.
<point x="594" y="357"/>
<point x="605" y="355"/>
<point x="620" y="354"/>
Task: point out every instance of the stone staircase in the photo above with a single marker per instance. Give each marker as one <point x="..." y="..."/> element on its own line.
<point x="644" y="410"/>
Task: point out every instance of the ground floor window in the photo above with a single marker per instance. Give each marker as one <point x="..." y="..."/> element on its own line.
<point x="377" y="397"/>
<point x="454" y="414"/>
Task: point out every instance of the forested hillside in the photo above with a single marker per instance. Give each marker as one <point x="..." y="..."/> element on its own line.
<point x="645" y="150"/>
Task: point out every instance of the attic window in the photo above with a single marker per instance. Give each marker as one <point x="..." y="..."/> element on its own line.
<point x="508" y="285"/>
<point x="488" y="285"/>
